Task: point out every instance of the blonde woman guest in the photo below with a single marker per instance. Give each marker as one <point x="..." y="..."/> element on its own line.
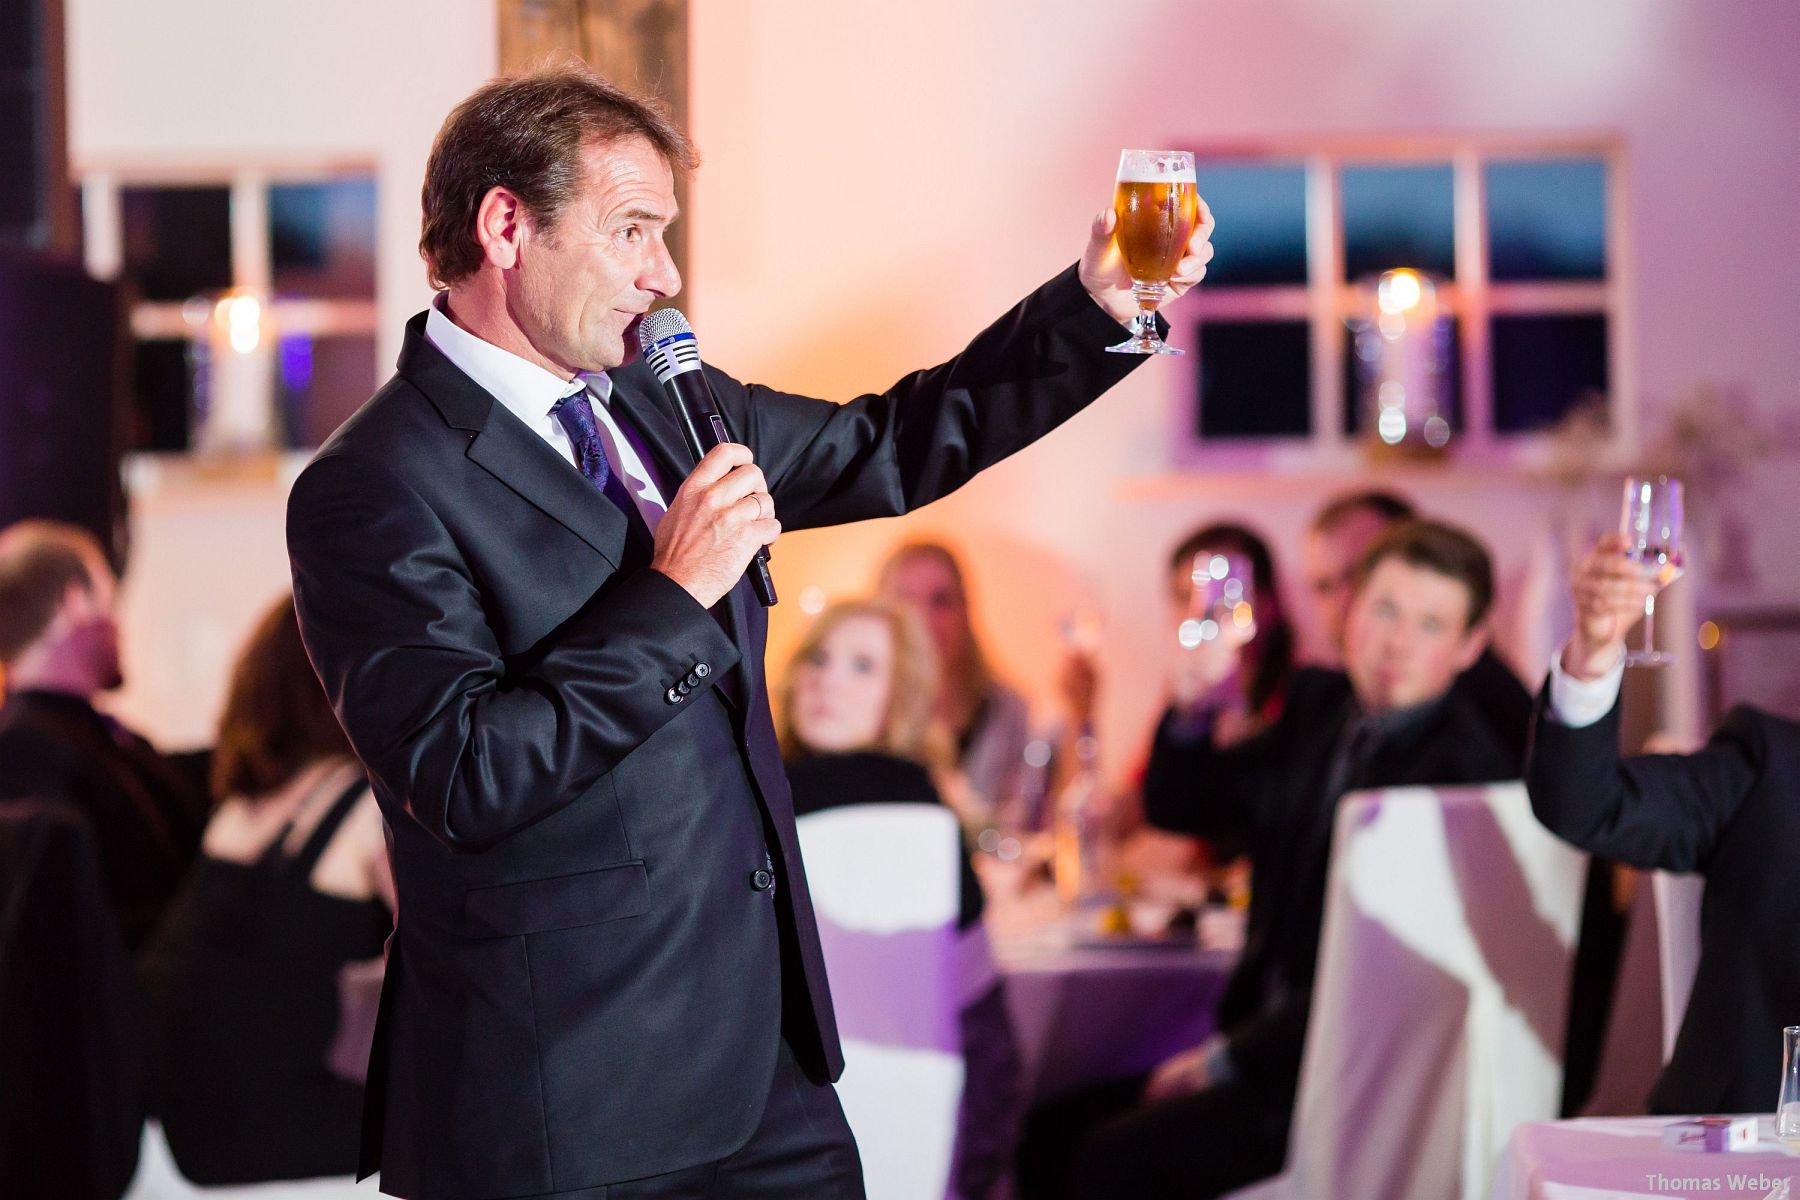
<point x="987" y="723"/>
<point x="857" y="727"/>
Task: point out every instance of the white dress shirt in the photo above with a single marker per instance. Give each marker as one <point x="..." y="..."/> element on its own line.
<point x="1578" y="703"/>
<point x="531" y="394"/>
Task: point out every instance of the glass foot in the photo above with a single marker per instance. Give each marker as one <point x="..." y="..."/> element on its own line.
<point x="1648" y="658"/>
<point x="1144" y="345"/>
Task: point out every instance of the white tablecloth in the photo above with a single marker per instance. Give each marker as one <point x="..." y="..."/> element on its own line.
<point x="1622" y="1158"/>
<point x="1087" y="1014"/>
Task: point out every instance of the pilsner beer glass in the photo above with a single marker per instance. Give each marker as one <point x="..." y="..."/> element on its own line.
<point x="1157" y="207"/>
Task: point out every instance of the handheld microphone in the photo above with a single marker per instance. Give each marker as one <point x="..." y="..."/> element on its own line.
<point x="667" y="341"/>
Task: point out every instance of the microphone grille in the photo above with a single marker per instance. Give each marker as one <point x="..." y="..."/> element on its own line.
<point x="663" y="323"/>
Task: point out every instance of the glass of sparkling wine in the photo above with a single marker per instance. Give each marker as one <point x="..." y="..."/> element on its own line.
<point x="1157" y="207"/>
<point x="1650" y="519"/>
<point x="1787" y="1106"/>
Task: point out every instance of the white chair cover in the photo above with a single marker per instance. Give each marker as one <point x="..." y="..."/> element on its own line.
<point x="158" y="1178"/>
<point x="1441" y="995"/>
<point x="1678" y="945"/>
<point x="885" y="880"/>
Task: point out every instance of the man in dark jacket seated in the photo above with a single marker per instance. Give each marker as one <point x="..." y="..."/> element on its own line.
<point x="59" y="650"/>
<point x="1216" y="1118"/>
<point x="1730" y="811"/>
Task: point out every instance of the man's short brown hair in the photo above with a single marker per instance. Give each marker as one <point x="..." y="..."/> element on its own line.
<point x="38" y="562"/>
<point x="1388" y="506"/>
<point x="1440" y="548"/>
<point x="527" y="133"/>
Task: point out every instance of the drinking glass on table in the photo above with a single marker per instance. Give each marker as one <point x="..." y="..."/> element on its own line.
<point x="1651" y="519"/>
<point x="1787" y="1106"/>
<point x="1158" y="207"/>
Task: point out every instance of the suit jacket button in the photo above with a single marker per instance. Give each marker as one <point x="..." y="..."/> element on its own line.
<point x="762" y="880"/>
<point x="684" y="687"/>
<point x="702" y="670"/>
<point x="672" y="696"/>
<point x="693" y="679"/>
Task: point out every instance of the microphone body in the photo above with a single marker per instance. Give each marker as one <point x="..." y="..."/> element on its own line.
<point x="667" y="341"/>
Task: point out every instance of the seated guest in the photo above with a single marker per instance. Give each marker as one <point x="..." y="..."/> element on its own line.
<point x="1340" y="535"/>
<point x="1728" y="812"/>
<point x="856" y="708"/>
<point x="988" y="723"/>
<point x="258" y="1062"/>
<point x="59" y="650"/>
<point x="1245" y="704"/>
<point x="1216" y="1118"/>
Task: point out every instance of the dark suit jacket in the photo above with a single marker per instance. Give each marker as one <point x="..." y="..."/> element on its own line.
<point x="71" y="1016"/>
<point x="587" y="983"/>
<point x="144" y="811"/>
<point x="1732" y="812"/>
<point x="1272" y="790"/>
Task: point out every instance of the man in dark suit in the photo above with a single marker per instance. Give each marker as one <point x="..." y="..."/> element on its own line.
<point x="1216" y="1118"/>
<point x="1340" y="534"/>
<point x="605" y="975"/>
<point x="1730" y="811"/>
<point x="59" y="650"/>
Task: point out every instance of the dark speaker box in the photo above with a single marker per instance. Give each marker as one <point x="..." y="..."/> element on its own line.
<point x="61" y="381"/>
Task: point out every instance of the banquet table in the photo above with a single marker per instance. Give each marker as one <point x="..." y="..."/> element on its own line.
<point x="1622" y="1158"/>
<point x="1088" y="1009"/>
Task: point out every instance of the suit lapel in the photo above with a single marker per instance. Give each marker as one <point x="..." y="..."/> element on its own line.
<point x="512" y="453"/>
<point x="522" y="461"/>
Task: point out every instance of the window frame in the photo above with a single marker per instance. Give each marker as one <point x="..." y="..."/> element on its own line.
<point x="252" y="240"/>
<point x="1326" y="298"/>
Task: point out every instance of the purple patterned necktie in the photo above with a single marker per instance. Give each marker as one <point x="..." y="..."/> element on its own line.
<point x="576" y="415"/>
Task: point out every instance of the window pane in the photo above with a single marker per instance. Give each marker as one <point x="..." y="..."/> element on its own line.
<point x="1547" y="219"/>
<point x="1264" y="206"/>
<point x="1545" y="366"/>
<point x="1449" y="381"/>
<point x="161" y="396"/>
<point x="320" y="382"/>
<point x="177" y="240"/>
<point x="1254" y="379"/>
<point x="1399" y="216"/>
<point x="322" y="238"/>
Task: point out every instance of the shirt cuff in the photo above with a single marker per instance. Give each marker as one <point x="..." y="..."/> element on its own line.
<point x="1578" y="703"/>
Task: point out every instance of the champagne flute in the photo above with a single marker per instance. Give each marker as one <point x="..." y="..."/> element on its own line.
<point x="1651" y="519"/>
<point x="1158" y="207"/>
<point x="1787" y="1104"/>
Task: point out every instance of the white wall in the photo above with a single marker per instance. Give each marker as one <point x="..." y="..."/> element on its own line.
<point x="229" y="81"/>
<point x="219" y="83"/>
<point x="880" y="180"/>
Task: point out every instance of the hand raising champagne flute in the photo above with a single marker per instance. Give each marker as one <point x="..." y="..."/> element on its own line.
<point x="1158" y="207"/>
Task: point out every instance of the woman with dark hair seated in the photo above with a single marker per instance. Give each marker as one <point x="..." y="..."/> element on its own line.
<point x="856" y="713"/>
<point x="262" y="972"/>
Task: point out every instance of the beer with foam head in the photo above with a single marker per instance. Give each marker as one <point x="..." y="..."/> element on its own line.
<point x="1157" y="216"/>
<point x="1158" y="209"/>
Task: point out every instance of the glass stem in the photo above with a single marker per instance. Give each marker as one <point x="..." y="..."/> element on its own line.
<point x="1149" y="297"/>
<point x="1649" y="624"/>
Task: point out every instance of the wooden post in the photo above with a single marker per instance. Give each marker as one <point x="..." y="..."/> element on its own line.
<point x="641" y="45"/>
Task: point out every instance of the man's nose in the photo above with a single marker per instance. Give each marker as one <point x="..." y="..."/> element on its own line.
<point x="660" y="274"/>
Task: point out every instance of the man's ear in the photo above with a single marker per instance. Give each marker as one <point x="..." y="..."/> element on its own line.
<point x="1474" y="642"/>
<point x="501" y="226"/>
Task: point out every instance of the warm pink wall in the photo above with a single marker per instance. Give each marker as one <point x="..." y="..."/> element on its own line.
<point x="881" y="179"/>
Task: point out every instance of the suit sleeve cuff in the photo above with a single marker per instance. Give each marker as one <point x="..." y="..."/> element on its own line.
<point x="1577" y="703"/>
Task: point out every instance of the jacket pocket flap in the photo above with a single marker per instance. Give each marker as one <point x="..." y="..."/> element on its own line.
<point x="564" y="902"/>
